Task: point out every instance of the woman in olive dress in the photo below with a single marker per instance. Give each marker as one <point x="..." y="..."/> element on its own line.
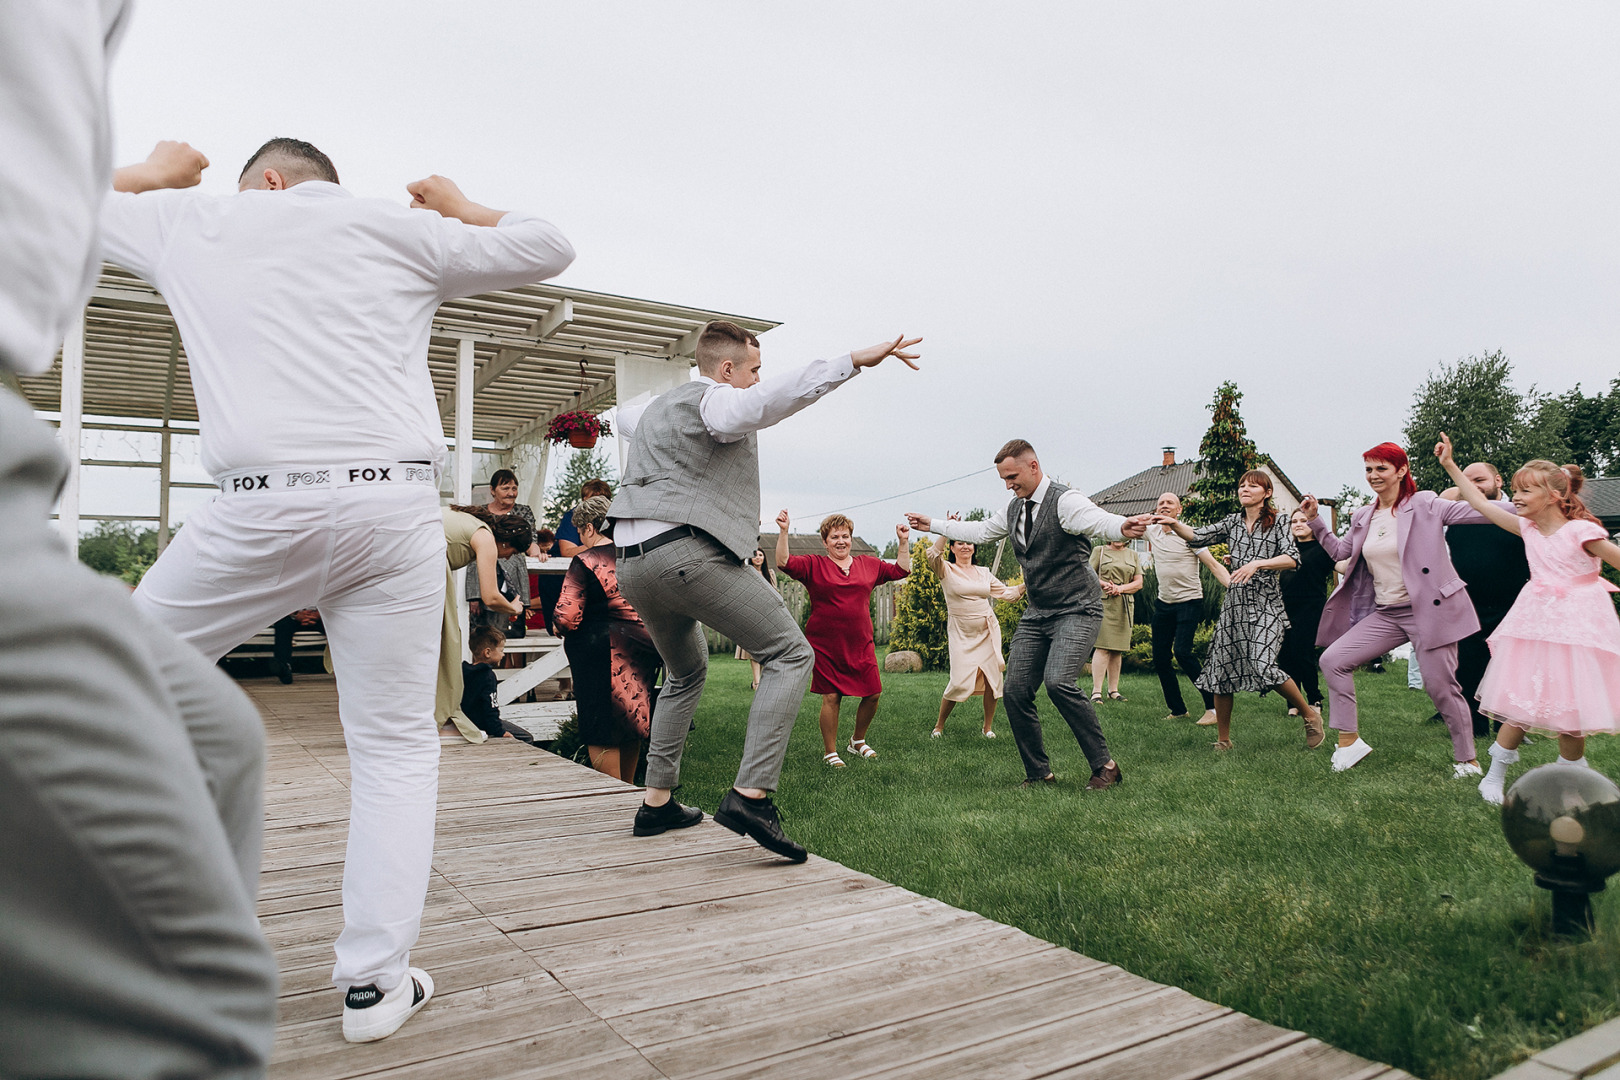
<point x="1249" y="635"/>
<point x="1119" y="569"/>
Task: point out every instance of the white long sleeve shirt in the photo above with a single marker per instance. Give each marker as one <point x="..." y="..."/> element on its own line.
<point x="731" y="413"/>
<point x="306" y="312"/>
<point x="1076" y="513"/>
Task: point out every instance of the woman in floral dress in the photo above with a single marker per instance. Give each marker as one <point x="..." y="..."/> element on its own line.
<point x="1249" y="634"/>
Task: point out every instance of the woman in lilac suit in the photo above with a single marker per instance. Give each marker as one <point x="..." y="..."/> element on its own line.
<point x="1400" y="586"/>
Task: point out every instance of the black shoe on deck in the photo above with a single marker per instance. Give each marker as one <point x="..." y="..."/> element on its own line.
<point x="652" y="820"/>
<point x="282" y="672"/>
<point x="758" y="819"/>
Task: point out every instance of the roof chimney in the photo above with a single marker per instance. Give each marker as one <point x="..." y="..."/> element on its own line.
<point x="1169" y="456"/>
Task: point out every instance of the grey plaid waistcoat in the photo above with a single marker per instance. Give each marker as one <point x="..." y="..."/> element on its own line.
<point x="1056" y="564"/>
<point x="677" y="471"/>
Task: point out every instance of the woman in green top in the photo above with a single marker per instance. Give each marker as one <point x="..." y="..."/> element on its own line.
<point x="1120" y="571"/>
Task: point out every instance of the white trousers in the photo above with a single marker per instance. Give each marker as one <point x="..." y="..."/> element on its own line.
<point x="372" y="560"/>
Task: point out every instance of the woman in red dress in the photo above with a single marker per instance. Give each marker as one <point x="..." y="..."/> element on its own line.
<point x="840" y="626"/>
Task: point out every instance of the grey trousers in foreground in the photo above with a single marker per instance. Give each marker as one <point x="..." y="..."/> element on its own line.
<point x="693" y="580"/>
<point x="131" y="780"/>
<point x="1052" y="650"/>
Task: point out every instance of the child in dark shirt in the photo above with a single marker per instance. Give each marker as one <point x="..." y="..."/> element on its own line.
<point x="479" y="685"/>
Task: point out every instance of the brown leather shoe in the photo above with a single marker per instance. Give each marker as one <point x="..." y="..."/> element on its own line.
<point x="1107" y="777"/>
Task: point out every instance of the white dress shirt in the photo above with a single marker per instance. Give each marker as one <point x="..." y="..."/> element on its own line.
<point x="306" y="312"/>
<point x="1076" y="513"/>
<point x="731" y="413"/>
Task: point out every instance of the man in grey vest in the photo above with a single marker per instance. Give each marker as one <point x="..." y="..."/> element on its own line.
<point x="1051" y="526"/>
<point x="686" y="520"/>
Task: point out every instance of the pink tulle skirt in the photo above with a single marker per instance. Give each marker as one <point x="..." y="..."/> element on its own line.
<point x="1551" y="686"/>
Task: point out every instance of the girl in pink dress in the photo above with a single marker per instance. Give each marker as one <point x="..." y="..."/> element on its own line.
<point x="1555" y="658"/>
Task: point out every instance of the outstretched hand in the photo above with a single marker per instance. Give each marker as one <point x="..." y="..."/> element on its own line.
<point x="171" y="164"/>
<point x="1136" y="527"/>
<point x="873" y="355"/>
<point x="782" y="521"/>
<point x="441" y="194"/>
<point x="1309" y="507"/>
<point x="1442" y="450"/>
<point x="920" y="522"/>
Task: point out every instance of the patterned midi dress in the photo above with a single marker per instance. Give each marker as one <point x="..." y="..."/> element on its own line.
<point x="1249" y="635"/>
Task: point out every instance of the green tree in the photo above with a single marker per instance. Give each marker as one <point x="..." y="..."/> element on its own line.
<point x="1592" y="429"/>
<point x="1226" y="453"/>
<point x="119" y="549"/>
<point x="1475" y="403"/>
<point x="563" y="494"/>
<point x="919" y="612"/>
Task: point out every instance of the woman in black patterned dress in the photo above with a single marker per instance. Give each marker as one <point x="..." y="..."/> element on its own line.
<point x="1249" y="635"/>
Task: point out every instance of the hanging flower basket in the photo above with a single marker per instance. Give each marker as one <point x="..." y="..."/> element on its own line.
<point x="577" y="429"/>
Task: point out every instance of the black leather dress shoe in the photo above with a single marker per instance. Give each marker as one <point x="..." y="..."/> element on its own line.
<point x="652" y="820"/>
<point x="757" y="818"/>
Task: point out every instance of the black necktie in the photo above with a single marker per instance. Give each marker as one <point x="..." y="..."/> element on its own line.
<point x="1029" y="520"/>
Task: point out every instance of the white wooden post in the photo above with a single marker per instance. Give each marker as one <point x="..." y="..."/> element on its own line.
<point x="166" y="454"/>
<point x="71" y="431"/>
<point x="464" y="466"/>
<point x="640" y="376"/>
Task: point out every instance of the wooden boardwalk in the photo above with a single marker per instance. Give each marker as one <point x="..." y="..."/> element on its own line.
<point x="563" y="946"/>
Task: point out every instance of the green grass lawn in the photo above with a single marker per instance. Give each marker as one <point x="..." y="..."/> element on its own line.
<point x="1379" y="910"/>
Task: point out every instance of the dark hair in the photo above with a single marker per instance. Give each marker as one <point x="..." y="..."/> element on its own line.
<point x="765" y="570"/>
<point x="1014" y="448"/>
<point x="312" y="164"/>
<point x="1391" y="454"/>
<point x="719" y="341"/>
<point x="950" y="551"/>
<point x="595" y="487"/>
<point x="510" y="529"/>
<point x="1268" y="509"/>
<point x="484" y="639"/>
<point x="501" y="476"/>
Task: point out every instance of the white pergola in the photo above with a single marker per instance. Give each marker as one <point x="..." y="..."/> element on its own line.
<point x="503" y="364"/>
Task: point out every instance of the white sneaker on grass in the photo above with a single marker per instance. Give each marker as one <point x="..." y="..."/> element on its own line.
<point x="1346" y="756"/>
<point x="369" y="1015"/>
<point x="1461" y="770"/>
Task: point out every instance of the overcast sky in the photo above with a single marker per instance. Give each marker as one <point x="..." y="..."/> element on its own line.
<point x="1095" y="213"/>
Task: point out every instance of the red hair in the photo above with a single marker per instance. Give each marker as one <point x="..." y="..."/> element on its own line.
<point x="1391" y="454"/>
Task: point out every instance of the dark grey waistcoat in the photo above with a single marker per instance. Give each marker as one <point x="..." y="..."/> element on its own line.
<point x="1056" y="564"/>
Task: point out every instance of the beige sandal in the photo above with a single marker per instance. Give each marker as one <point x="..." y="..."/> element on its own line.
<point x="1222" y="745"/>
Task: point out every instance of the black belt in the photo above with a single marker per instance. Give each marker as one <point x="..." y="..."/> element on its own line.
<point x="652" y="543"/>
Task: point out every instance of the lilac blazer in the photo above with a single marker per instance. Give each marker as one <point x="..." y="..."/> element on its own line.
<point x="1440" y="603"/>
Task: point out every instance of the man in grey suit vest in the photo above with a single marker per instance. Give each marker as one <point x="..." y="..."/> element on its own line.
<point x="686" y="520"/>
<point x="1050" y="526"/>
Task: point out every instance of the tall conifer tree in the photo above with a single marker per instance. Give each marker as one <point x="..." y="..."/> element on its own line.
<point x="1227" y="453"/>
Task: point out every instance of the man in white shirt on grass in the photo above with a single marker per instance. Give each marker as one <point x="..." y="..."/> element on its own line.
<point x="1051" y="527"/>
<point x="305" y="314"/>
<point x="1177" y="610"/>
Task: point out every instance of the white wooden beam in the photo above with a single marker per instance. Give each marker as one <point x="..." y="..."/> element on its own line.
<point x="71" y="431"/>
<point x="504" y="360"/>
<point x="685" y="345"/>
<point x="166" y="451"/>
<point x="464" y="420"/>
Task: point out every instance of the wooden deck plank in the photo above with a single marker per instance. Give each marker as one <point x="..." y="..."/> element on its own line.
<point x="563" y="946"/>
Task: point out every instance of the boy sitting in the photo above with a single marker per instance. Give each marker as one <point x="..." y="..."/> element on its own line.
<point x="479" y="685"/>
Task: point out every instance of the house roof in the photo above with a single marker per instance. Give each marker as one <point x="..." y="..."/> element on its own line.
<point x="1602" y="497"/>
<point x="1138" y="494"/>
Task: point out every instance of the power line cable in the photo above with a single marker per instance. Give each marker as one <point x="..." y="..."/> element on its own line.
<point x="903" y="494"/>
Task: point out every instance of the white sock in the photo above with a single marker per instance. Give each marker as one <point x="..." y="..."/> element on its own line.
<point x="1501" y="758"/>
<point x="1579" y="762"/>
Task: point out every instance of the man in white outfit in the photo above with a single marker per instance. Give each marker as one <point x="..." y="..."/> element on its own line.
<point x="306" y="315"/>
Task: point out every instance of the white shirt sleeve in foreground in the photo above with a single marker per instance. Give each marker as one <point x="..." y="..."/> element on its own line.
<point x="991" y="528"/>
<point x="520" y="249"/>
<point x="731" y="414"/>
<point x="134" y="227"/>
<point x="1078" y="514"/>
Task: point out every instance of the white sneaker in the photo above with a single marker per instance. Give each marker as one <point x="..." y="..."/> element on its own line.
<point x="369" y="1016"/>
<point x="1461" y="770"/>
<point x="1490" y="789"/>
<point x="990" y="734"/>
<point x="1346" y="756"/>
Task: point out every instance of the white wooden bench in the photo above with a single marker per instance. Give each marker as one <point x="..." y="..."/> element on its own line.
<point x="541" y="719"/>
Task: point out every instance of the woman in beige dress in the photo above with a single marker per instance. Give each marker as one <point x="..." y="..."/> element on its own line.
<point x="971" y="629"/>
<point x="472" y="535"/>
<point x="1120" y="570"/>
